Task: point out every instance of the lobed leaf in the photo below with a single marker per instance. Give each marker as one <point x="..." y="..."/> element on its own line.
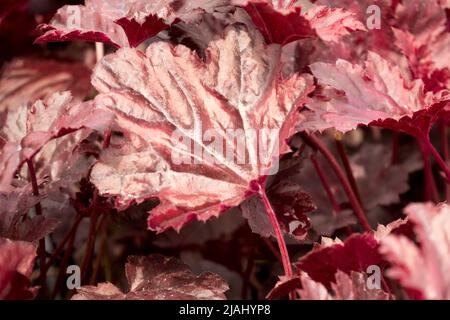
<point x="170" y="92"/>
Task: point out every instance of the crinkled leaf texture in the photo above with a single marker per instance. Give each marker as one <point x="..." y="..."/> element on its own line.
<point x="288" y="24"/>
<point x="25" y="80"/>
<point x="331" y="24"/>
<point x="29" y="129"/>
<point x="426" y="23"/>
<point x="123" y="23"/>
<point x="16" y="266"/>
<point x="156" y="277"/>
<point x="103" y="21"/>
<point x="170" y="90"/>
<point x="422" y="268"/>
<point x="354" y="95"/>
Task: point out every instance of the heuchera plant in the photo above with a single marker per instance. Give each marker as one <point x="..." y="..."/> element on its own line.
<point x="244" y="149"/>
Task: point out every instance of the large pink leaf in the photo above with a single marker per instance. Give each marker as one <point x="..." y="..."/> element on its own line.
<point x="156" y="277"/>
<point x="25" y="80"/>
<point x="16" y="266"/>
<point x="170" y="91"/>
<point x="422" y="268"/>
<point x="354" y="95"/>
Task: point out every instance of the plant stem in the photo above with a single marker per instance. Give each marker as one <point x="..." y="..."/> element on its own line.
<point x="60" y="247"/>
<point x="446" y="152"/>
<point x="348" y="169"/>
<point x="431" y="193"/>
<point x="103" y="229"/>
<point x="395" y="145"/>
<point x="63" y="265"/>
<point x="106" y="139"/>
<point x="90" y="246"/>
<point x="278" y="233"/>
<point x="41" y="249"/>
<point x="442" y="164"/>
<point x="247" y="274"/>
<point x="326" y="185"/>
<point x="314" y="142"/>
<point x="99" y="50"/>
<point x="272" y="249"/>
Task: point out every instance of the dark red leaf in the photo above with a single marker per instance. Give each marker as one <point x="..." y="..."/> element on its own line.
<point x="138" y="33"/>
<point x="279" y="26"/>
<point x="357" y="253"/>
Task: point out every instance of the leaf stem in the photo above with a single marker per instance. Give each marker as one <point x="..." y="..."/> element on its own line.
<point x="41" y="249"/>
<point x="441" y="162"/>
<point x="247" y="274"/>
<point x="278" y="233"/>
<point x="103" y="229"/>
<point x="430" y="192"/>
<point x="326" y="184"/>
<point x="314" y="142"/>
<point x="348" y="169"/>
<point x="395" y="147"/>
<point x="99" y="50"/>
<point x="63" y="265"/>
<point x="272" y="249"/>
<point x="446" y="151"/>
<point x="90" y="246"/>
<point x="60" y="247"/>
